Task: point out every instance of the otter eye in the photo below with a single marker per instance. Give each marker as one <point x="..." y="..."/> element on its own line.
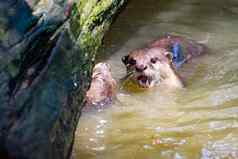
<point x="132" y="61"/>
<point x="154" y="60"/>
<point x="125" y="59"/>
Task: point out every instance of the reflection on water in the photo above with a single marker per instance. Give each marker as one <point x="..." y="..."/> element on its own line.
<point x="200" y="121"/>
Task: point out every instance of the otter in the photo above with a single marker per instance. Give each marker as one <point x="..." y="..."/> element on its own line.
<point x="102" y="88"/>
<point x="160" y="61"/>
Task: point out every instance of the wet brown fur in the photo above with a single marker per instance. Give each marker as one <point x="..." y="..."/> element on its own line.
<point x="103" y="86"/>
<point x="153" y="64"/>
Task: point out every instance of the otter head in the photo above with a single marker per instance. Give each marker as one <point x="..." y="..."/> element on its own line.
<point x="102" y="70"/>
<point x="151" y="66"/>
<point x="103" y="86"/>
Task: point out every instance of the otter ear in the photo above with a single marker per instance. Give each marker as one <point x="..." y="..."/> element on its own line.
<point x="169" y="55"/>
<point x="124" y="59"/>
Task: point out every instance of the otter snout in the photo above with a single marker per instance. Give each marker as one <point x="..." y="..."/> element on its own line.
<point x="141" y="68"/>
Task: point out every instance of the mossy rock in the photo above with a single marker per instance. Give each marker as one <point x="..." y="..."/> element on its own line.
<point x="47" y="52"/>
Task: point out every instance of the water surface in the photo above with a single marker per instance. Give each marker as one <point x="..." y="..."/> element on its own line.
<point x="199" y="122"/>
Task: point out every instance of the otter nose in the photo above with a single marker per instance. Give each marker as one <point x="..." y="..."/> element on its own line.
<point x="141" y="68"/>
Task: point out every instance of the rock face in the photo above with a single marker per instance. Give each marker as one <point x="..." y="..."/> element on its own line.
<point x="47" y="50"/>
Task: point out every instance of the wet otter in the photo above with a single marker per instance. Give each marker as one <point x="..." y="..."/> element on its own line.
<point x="103" y="86"/>
<point x="160" y="60"/>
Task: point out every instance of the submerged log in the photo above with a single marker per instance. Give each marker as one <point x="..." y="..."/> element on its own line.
<point x="47" y="51"/>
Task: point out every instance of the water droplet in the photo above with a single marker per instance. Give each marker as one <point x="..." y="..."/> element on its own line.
<point x="99" y="132"/>
<point x="178" y="156"/>
<point x="101" y="148"/>
<point x="102" y="121"/>
<point x="75" y="84"/>
<point x="91" y="139"/>
<point x="147" y="147"/>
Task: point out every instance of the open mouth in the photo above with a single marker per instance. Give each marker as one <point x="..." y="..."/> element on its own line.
<point x="144" y="81"/>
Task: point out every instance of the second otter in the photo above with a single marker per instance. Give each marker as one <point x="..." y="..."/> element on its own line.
<point x="102" y="88"/>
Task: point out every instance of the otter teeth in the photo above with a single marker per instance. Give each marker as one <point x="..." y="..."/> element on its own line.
<point x="144" y="80"/>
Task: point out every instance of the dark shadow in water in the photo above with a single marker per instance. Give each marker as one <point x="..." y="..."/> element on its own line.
<point x="138" y="12"/>
<point x="134" y="16"/>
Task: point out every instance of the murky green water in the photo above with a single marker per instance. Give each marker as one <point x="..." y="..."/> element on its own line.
<point x="200" y="121"/>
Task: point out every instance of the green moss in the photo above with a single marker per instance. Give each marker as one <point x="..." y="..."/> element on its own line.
<point x="95" y="19"/>
<point x="85" y="8"/>
<point x="90" y="20"/>
<point x="75" y="26"/>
